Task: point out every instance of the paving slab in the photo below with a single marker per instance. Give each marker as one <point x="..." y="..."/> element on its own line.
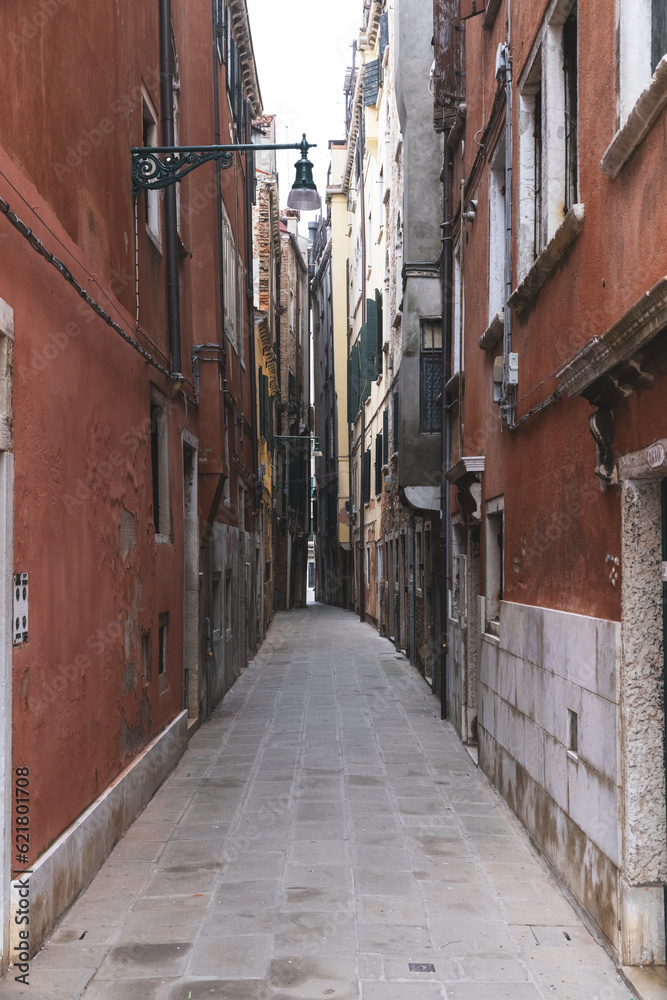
<point x="323" y="832"/>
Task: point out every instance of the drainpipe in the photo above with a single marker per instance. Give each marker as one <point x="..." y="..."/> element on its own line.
<point x="249" y="186"/>
<point x="218" y="194"/>
<point x="445" y="434"/>
<point x="411" y="579"/>
<point x="362" y="525"/>
<point x="171" y="220"/>
<point x="509" y="404"/>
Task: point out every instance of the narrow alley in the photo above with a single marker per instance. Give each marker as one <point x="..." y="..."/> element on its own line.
<point x="324" y="835"/>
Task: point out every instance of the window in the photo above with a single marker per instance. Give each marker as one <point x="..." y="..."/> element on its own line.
<point x="497" y="231"/>
<point x="162" y="652"/>
<point x="240" y="309"/>
<point x="229" y="269"/>
<point x="220" y="35"/>
<point x="459" y="312"/>
<point x="379" y="320"/>
<point x="538" y="220"/>
<point x="160" y="466"/>
<point x="368" y="565"/>
<point x="642" y="27"/>
<point x="378" y="464"/>
<point x="570" y="108"/>
<point x="216" y="605"/>
<point x="494" y="567"/>
<point x="457" y="609"/>
<point x="530" y="168"/>
<point x="228" y="605"/>
<point x="146" y="656"/>
<point x="151" y="198"/>
<point x="366" y="477"/>
<point x="431" y="375"/>
<point x="572" y="732"/>
<point x="395" y="419"/>
<point x="548" y="136"/>
<point x="419" y="559"/>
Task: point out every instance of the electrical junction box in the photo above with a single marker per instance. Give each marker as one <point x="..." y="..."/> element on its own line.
<point x="20" y="608"/>
<point x="513" y="369"/>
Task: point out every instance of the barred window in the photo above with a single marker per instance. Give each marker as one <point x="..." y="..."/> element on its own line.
<point x="431" y="375"/>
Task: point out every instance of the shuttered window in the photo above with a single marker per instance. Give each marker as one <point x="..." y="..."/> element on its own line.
<point x="385" y="437"/>
<point x="379" y="313"/>
<point x="353" y="384"/>
<point x="378" y="464"/>
<point x="384" y="33"/>
<point x="366" y="477"/>
<point x="395" y="422"/>
<point x="367" y="362"/>
<point x="372" y="81"/>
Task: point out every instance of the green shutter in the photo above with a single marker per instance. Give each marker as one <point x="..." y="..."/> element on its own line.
<point x="372" y="324"/>
<point x="367" y="339"/>
<point x="372" y="77"/>
<point x="385" y="437"/>
<point x="366" y="477"/>
<point x="380" y="329"/>
<point x="353" y="384"/>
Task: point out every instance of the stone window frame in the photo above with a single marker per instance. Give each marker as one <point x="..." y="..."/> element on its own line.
<point x="152" y="198"/>
<point x="162" y="488"/>
<point x="543" y="74"/>
<point x="494" y="568"/>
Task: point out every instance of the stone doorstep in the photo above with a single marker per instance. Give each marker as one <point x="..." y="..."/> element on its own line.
<point x="647" y="982"/>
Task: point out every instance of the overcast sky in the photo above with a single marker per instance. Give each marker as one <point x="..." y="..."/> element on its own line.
<point x="302" y="49"/>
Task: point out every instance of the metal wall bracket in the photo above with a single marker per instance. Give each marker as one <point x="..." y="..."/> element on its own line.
<point x="155" y="167"/>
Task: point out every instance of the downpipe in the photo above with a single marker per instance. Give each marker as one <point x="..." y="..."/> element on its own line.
<point x="445" y="434"/>
<point x="171" y="219"/>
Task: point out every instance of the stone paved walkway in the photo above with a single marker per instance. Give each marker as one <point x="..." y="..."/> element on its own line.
<point x="321" y="833"/>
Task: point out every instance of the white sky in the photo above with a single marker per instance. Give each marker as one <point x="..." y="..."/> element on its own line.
<point x="302" y="49"/>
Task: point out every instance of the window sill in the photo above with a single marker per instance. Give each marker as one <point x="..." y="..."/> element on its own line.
<point x="640" y="121"/>
<point x="493" y="332"/>
<point x="492" y="630"/>
<point x="552" y="254"/>
<point x="162" y="539"/>
<point x="154" y="238"/>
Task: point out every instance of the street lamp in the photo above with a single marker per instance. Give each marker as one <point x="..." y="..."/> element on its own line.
<point x="155" y="167"/>
<point x="304" y="195"/>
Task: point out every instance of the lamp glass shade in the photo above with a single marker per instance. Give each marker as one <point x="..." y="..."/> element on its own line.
<point x="304" y="194"/>
<point x="304" y="199"/>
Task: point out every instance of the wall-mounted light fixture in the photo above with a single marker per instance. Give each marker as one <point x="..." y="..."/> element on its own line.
<point x="155" y="167"/>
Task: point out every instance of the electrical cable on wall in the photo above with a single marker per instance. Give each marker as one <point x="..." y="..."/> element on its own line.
<point x="65" y="272"/>
<point x="89" y="274"/>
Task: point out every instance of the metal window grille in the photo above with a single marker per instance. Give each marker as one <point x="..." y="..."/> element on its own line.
<point x="431" y="376"/>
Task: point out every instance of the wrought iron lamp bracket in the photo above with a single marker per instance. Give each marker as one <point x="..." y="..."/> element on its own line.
<point x="155" y="167"/>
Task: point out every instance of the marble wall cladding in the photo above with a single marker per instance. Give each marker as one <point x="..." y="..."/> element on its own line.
<point x="544" y="663"/>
